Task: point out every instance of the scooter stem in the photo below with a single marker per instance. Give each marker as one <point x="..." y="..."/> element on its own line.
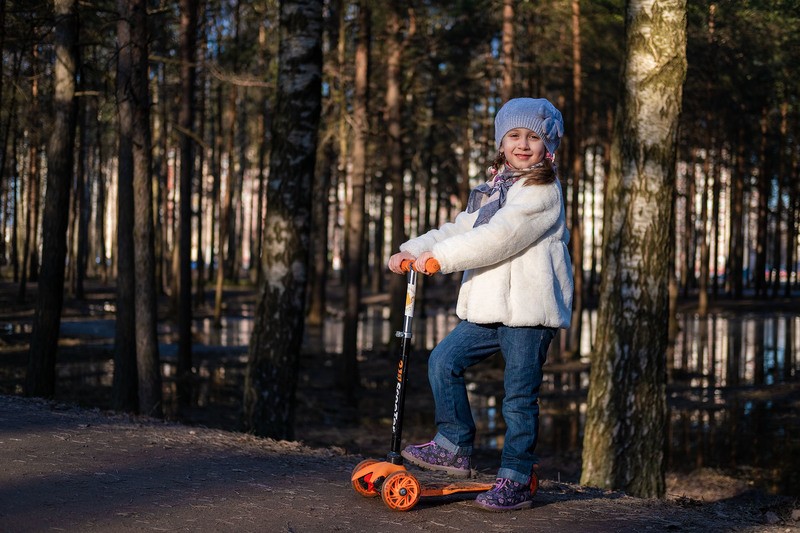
<point x="394" y="456"/>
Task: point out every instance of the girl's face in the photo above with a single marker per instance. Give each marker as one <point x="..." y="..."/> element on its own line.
<point x="522" y="148"/>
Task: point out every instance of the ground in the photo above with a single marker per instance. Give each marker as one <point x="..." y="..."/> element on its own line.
<point x="72" y="469"/>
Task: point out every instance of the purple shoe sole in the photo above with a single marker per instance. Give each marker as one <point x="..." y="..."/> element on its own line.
<point x="499" y="508"/>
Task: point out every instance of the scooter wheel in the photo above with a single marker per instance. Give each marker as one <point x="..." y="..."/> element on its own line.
<point x="534" y="484"/>
<point x="400" y="491"/>
<point x="363" y="486"/>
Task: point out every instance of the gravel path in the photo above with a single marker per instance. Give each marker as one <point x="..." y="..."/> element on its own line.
<point x="71" y="469"/>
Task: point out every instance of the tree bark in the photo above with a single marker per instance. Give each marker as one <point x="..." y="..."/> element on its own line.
<point x="125" y="387"/>
<point x="577" y="156"/>
<point x="41" y="376"/>
<point x="762" y="209"/>
<point x="507" y="88"/>
<point x="29" y="255"/>
<point x="147" y="357"/>
<point x="273" y="359"/>
<point x="354" y="232"/>
<point x="624" y="438"/>
<point x="188" y="45"/>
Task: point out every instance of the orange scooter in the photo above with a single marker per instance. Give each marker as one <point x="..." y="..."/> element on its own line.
<point x="398" y="488"/>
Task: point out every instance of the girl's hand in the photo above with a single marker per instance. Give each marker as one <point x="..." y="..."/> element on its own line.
<point x="419" y="264"/>
<point x="396" y="260"/>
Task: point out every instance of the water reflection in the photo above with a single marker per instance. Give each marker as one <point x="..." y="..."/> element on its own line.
<point x="732" y="392"/>
<point x="733" y="387"/>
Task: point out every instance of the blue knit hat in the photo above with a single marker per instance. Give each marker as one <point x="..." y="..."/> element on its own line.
<point x="535" y="114"/>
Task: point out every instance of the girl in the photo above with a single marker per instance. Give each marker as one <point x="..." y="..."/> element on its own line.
<point x="511" y="243"/>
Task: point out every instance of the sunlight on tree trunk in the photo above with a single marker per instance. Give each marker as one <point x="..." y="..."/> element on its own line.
<point x="272" y="366"/>
<point x="41" y="376"/>
<point x="624" y="438"/>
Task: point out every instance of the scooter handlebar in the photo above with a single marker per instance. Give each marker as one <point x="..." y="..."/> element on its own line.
<point x="431" y="266"/>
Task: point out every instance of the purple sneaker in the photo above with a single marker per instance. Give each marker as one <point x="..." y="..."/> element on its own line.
<point x="506" y="495"/>
<point x="433" y="457"/>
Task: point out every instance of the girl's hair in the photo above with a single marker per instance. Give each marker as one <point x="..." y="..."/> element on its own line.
<point x="541" y="174"/>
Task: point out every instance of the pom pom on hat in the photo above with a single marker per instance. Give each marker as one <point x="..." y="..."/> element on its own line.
<point x="535" y="114"/>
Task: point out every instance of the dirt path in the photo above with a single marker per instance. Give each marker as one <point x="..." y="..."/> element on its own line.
<point x="70" y="469"/>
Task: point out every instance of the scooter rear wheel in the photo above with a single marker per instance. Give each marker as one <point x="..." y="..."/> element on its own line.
<point x="400" y="491"/>
<point x="364" y="486"/>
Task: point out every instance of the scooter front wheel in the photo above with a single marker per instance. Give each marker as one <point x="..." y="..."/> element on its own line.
<point x="362" y="485"/>
<point x="400" y="491"/>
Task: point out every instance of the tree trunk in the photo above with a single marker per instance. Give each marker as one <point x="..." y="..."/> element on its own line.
<point x="734" y="272"/>
<point x="227" y="214"/>
<point x="188" y="45"/>
<point x="273" y="359"/>
<point x="125" y="389"/>
<point x="702" y="299"/>
<point x="41" y="376"/>
<point x="507" y="88"/>
<point x="147" y="356"/>
<point x="577" y="155"/>
<point x="354" y="233"/>
<point x="32" y="213"/>
<point x="84" y="204"/>
<point x="624" y="438"/>
<point x="762" y="210"/>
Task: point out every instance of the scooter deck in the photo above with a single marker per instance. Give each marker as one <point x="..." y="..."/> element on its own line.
<point x="445" y="489"/>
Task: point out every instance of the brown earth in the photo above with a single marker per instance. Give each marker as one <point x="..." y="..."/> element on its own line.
<point x="71" y="469"/>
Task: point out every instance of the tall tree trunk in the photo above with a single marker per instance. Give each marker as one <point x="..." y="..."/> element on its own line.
<point x="394" y="149"/>
<point x="41" y="376"/>
<point x="227" y="214"/>
<point x="762" y="209"/>
<point x="202" y="216"/>
<point x="336" y="29"/>
<point x="273" y="359"/>
<point x="354" y="233"/>
<point x="734" y="272"/>
<point x="702" y="306"/>
<point x="791" y="221"/>
<point x="147" y="356"/>
<point x="577" y="156"/>
<point x="83" y="202"/>
<point x="188" y="45"/>
<point x="32" y="213"/>
<point x="624" y="438"/>
<point x="507" y="88"/>
<point x="782" y="178"/>
<point x="263" y="147"/>
<point x="125" y="387"/>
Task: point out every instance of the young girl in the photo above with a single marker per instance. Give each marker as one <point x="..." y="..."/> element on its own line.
<point x="511" y="243"/>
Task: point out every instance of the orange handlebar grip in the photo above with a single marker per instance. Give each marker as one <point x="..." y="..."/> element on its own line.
<point x="431" y="265"/>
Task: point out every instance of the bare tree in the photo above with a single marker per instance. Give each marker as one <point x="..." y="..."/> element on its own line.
<point x="272" y="368"/>
<point x="624" y="438"/>
<point x="41" y="377"/>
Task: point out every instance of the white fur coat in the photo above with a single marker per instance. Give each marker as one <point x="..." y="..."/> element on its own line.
<point x="516" y="267"/>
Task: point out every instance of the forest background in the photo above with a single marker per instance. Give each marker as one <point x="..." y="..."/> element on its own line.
<point x="408" y="94"/>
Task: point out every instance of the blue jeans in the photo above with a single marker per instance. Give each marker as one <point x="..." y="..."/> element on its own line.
<point x="525" y="351"/>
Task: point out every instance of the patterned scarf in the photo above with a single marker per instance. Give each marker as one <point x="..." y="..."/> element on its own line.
<point x="487" y="198"/>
